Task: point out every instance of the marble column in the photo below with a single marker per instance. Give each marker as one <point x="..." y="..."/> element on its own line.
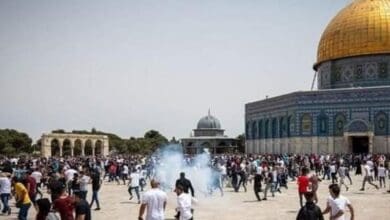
<point x="82" y="148"/>
<point x="72" y="147"/>
<point x="60" y="144"/>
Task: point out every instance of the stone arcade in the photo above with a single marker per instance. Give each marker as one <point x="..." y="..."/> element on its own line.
<point x="69" y="144"/>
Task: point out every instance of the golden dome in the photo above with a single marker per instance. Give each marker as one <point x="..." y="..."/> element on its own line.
<point x="361" y="28"/>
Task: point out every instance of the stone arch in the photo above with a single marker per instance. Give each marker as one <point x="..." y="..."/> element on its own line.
<point x="339" y="123"/>
<point x="78" y="145"/>
<point x="381" y="121"/>
<point x="88" y="147"/>
<point x="55" y="147"/>
<point x="306" y="124"/>
<point x="98" y="147"/>
<point x="59" y="143"/>
<point x="322" y="125"/>
<point x="358" y="125"/>
<point x="66" y="147"/>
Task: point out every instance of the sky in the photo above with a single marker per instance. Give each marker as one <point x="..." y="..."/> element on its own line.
<point x="126" y="66"/>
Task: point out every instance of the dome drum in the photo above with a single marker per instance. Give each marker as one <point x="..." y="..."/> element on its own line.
<point x="362" y="71"/>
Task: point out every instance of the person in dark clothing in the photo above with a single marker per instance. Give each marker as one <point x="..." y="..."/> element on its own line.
<point x="75" y="185"/>
<point x="186" y="183"/>
<point x="7" y="167"/>
<point x="55" y="187"/>
<point x="96" y="183"/>
<point x="83" y="211"/>
<point x="310" y="211"/>
<point x="257" y="185"/>
<point x="243" y="179"/>
<point x="234" y="176"/>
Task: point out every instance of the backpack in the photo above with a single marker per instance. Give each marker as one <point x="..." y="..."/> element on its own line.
<point x="308" y="214"/>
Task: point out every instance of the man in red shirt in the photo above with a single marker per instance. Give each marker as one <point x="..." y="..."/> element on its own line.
<point x="31" y="186"/>
<point x="303" y="184"/>
<point x="64" y="205"/>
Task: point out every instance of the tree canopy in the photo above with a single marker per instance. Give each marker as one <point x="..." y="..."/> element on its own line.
<point x="13" y="142"/>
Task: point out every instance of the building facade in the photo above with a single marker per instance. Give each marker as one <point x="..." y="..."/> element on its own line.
<point x="208" y="136"/>
<point x="349" y="113"/>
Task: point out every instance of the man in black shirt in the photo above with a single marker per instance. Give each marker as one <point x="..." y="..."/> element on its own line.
<point x="185" y="183"/>
<point x="257" y="185"/>
<point x="310" y="211"/>
<point x="96" y="182"/>
<point x="83" y="211"/>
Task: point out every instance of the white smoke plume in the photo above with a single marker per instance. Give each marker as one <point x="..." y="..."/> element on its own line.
<point x="171" y="161"/>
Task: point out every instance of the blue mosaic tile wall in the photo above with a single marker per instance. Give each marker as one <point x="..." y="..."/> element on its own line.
<point x="319" y="113"/>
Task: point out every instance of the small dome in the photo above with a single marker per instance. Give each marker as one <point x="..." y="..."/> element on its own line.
<point x="209" y="122"/>
<point x="361" y="28"/>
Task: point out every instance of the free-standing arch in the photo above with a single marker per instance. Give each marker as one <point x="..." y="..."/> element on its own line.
<point x="60" y="144"/>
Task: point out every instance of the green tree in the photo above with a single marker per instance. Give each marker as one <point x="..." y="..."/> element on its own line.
<point x="241" y="143"/>
<point x="14" y="142"/>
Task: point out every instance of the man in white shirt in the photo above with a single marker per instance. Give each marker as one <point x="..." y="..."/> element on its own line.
<point x="367" y="176"/>
<point x="84" y="180"/>
<point x="337" y="203"/>
<point x="69" y="174"/>
<point x="333" y="172"/>
<point x="341" y="172"/>
<point x="155" y="201"/>
<point x="125" y="173"/>
<point x="37" y="175"/>
<point x="5" y="192"/>
<point x="184" y="204"/>
<point x="134" y="184"/>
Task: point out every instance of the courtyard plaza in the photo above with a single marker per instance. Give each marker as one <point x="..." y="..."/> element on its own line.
<point x="115" y="204"/>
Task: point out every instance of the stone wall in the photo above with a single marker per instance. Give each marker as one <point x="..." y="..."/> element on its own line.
<point x="321" y="145"/>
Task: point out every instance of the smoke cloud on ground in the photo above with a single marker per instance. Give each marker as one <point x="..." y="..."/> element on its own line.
<point x="171" y="161"/>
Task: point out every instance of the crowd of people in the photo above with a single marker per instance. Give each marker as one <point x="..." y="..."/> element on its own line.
<point x="67" y="182"/>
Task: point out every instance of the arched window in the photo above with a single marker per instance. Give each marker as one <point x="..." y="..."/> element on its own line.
<point x="339" y="124"/>
<point x="254" y="130"/>
<point x="274" y="128"/>
<point x="322" y="124"/>
<point x="266" y="129"/>
<point x="260" y="129"/>
<point x="381" y="124"/>
<point x="306" y="124"/>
